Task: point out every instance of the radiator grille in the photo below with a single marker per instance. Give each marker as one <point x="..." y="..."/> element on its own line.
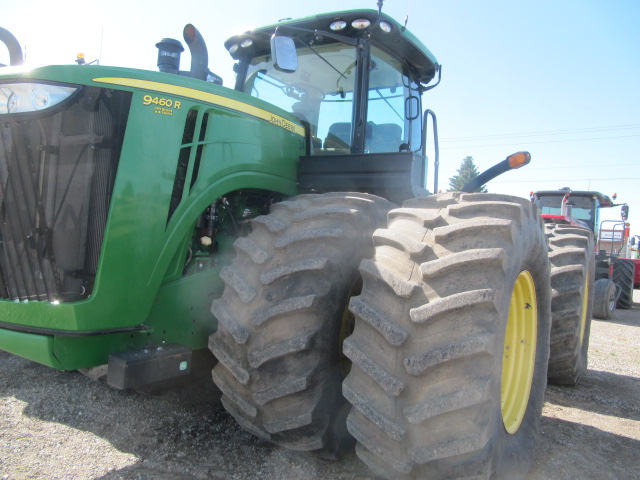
<point x="57" y="171"/>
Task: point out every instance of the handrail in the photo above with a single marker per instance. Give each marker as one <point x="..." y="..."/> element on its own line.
<point x="436" y="163"/>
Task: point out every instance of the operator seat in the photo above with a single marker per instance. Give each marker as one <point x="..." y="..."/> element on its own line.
<point x="383" y="138"/>
<point x="339" y="136"/>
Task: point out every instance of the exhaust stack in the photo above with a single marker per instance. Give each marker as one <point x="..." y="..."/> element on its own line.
<point x="199" y="55"/>
<point x="15" y="52"/>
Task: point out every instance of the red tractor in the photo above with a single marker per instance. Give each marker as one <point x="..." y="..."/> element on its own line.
<point x="615" y="274"/>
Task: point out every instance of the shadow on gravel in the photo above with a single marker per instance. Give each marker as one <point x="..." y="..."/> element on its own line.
<point x="604" y="393"/>
<point x="185" y="433"/>
<point x="625" y="317"/>
<point x="177" y="434"/>
<point x="162" y="429"/>
<point x="565" y="457"/>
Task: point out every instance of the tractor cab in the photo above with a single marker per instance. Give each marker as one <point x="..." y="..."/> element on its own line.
<point x="576" y="207"/>
<point x="354" y="80"/>
<point x="567" y="206"/>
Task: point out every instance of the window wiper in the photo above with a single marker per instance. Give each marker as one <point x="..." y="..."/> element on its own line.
<point x="288" y="90"/>
<point x="321" y="57"/>
<point x="387" y="102"/>
<point x="321" y="33"/>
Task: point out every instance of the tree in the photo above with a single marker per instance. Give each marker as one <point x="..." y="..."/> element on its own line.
<point x="466" y="172"/>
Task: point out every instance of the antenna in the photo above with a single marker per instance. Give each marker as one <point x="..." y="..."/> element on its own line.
<point x="101" y="42"/>
<point x="406" y="19"/>
<point x="379" y="4"/>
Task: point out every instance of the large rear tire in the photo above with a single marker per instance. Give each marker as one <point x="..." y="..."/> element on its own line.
<point x="623" y="275"/>
<point x="451" y="340"/>
<point x="604" y="298"/>
<point x="572" y="260"/>
<point x="280" y="316"/>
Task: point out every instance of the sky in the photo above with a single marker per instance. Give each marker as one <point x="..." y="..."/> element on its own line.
<point x="557" y="78"/>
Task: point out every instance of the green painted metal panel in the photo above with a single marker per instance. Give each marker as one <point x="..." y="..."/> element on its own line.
<point x="247" y="144"/>
<point x="38" y="348"/>
<point x="180" y="314"/>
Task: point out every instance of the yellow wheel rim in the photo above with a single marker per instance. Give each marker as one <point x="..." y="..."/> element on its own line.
<point x="583" y="314"/>
<point x="519" y="352"/>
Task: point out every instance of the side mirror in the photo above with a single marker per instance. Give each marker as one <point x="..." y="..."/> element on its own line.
<point x="283" y="52"/>
<point x="624" y="211"/>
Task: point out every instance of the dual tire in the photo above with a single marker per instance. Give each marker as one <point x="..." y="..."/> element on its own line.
<point x="281" y="317"/>
<point x="450" y="338"/>
<point x="572" y="273"/>
<point x="616" y="292"/>
<point x="623" y="275"/>
<point x="604" y="303"/>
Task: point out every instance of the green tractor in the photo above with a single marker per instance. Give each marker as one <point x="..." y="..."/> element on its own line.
<point x="285" y="226"/>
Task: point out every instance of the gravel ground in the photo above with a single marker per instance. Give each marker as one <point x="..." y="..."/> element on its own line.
<point x="61" y="425"/>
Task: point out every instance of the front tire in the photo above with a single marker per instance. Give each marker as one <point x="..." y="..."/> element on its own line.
<point x="451" y="340"/>
<point x="280" y="316"/>
<point x="572" y="260"/>
<point x="604" y="298"/>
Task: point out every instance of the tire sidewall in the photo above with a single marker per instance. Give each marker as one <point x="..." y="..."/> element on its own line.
<point x="512" y="452"/>
<point x="584" y="347"/>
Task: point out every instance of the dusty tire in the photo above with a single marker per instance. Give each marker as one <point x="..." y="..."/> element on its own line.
<point x="431" y="332"/>
<point x="572" y="261"/>
<point x="280" y="317"/>
<point x="623" y="275"/>
<point x="604" y="298"/>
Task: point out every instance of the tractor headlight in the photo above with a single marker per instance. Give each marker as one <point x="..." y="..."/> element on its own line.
<point x="361" y="23"/>
<point x="31" y="97"/>
<point x="385" y="26"/>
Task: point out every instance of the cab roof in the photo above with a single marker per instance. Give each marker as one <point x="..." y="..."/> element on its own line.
<point x="398" y="41"/>
<point x="604" y="200"/>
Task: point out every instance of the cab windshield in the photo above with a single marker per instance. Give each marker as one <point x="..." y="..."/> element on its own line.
<point x="580" y="208"/>
<point x="321" y="93"/>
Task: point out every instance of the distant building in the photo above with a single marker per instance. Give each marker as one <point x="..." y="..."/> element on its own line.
<point x="614" y="239"/>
